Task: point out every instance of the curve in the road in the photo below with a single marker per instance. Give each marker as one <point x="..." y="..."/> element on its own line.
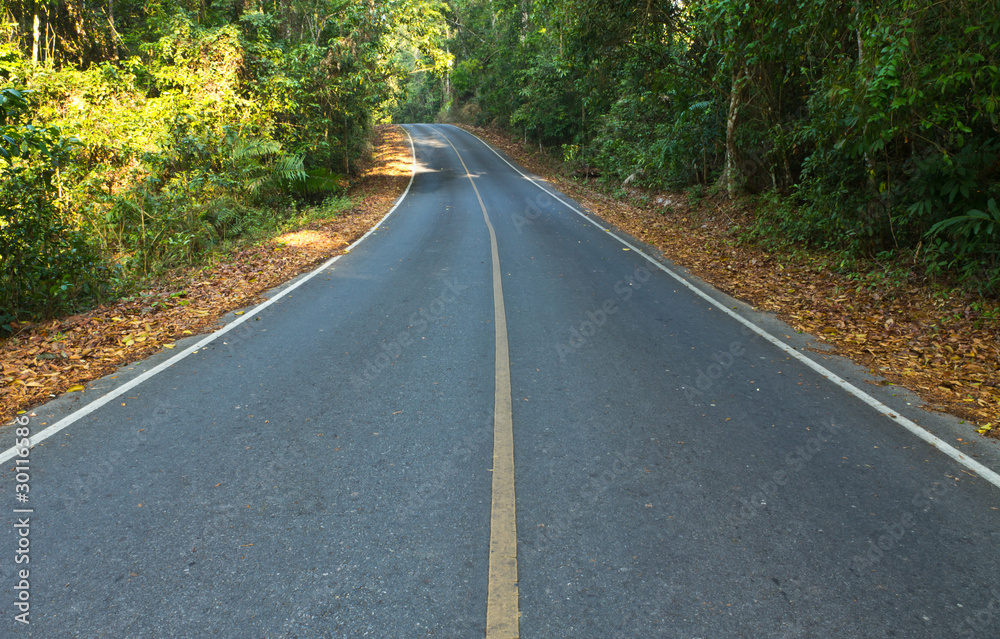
<point x="501" y="601"/>
<point x="90" y="407"/>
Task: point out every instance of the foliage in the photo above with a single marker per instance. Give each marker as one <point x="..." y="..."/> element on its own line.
<point x="873" y="123"/>
<point x="156" y="129"/>
<point x="875" y="126"/>
<point x="45" y="264"/>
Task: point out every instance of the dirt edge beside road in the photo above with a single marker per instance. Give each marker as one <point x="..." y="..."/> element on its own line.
<point x="46" y="359"/>
<point x="939" y="347"/>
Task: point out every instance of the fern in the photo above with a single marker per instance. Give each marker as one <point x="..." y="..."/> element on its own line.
<point x="260" y="164"/>
<point x="254" y="148"/>
<point x="978" y="229"/>
<point x="290" y="168"/>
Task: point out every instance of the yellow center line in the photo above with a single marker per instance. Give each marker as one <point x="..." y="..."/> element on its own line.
<point x="501" y="600"/>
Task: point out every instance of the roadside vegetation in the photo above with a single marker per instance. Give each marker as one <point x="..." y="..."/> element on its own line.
<point x="139" y="136"/>
<point x="836" y="162"/>
<point x="940" y="342"/>
<point x="46" y="357"/>
<point x="871" y="129"/>
<point x="856" y="144"/>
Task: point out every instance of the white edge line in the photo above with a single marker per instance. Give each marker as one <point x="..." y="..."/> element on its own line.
<point x="986" y="473"/>
<point x="162" y="366"/>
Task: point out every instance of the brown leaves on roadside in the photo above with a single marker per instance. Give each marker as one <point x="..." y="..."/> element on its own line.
<point x="45" y="359"/>
<point x="938" y="348"/>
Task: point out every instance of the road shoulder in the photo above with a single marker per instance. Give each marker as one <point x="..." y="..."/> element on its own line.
<point x="44" y="360"/>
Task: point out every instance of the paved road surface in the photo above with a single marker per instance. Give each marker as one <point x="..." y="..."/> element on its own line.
<point x="327" y="469"/>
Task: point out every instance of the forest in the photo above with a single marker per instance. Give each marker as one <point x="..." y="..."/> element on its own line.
<point x="867" y="128"/>
<point x="136" y="135"/>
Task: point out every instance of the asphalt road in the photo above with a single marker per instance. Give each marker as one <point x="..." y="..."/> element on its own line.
<point x="327" y="468"/>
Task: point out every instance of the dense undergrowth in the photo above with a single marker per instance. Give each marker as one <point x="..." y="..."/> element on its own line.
<point x="906" y="329"/>
<point x="872" y="129"/>
<point x="757" y="222"/>
<point x="135" y="136"/>
<point x="138" y="141"/>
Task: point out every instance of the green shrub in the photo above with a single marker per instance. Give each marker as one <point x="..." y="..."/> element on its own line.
<point x="46" y="264"/>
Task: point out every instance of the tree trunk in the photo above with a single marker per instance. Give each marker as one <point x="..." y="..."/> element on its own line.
<point x="730" y="178"/>
<point x="38" y="37"/>
<point x="447" y="77"/>
<point x="114" y="31"/>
